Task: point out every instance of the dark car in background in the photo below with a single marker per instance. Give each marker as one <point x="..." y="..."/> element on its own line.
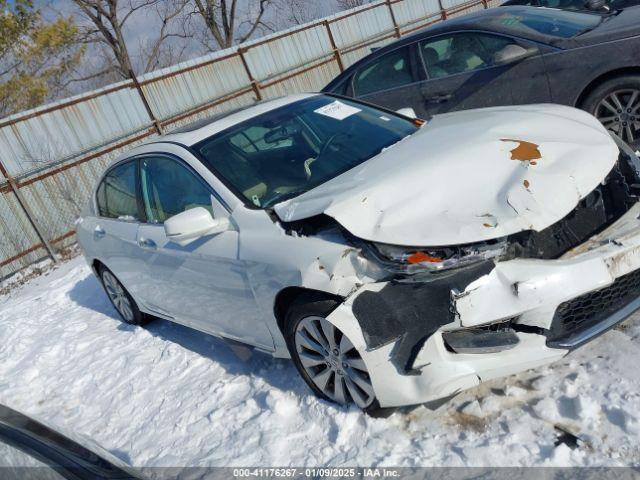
<point x="586" y="5"/>
<point x="510" y="56"/>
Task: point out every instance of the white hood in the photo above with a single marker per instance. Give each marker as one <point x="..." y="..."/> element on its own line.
<point x="468" y="176"/>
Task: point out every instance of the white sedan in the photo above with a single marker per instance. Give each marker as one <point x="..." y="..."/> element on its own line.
<point x="395" y="260"/>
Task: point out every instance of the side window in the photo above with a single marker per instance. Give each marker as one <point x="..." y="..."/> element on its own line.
<point x="169" y="188"/>
<point x="460" y="53"/>
<point x="343" y="87"/>
<point x="390" y="70"/>
<point x="116" y="196"/>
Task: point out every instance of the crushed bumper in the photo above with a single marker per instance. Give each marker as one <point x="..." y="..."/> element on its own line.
<point x="530" y="292"/>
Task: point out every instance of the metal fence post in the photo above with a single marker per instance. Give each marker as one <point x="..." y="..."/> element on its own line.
<point x="443" y="12"/>
<point x="334" y="47"/>
<point x="254" y="83"/>
<point x="147" y="106"/>
<point x="396" y="28"/>
<point x="15" y="188"/>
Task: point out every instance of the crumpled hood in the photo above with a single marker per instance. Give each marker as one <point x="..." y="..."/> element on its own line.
<point x="468" y="176"/>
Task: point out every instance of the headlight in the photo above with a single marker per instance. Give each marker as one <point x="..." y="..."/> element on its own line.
<point x="421" y="259"/>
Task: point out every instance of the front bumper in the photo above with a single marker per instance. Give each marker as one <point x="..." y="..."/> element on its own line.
<point x="528" y="291"/>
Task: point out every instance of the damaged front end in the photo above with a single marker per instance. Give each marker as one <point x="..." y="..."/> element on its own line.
<point x="531" y="249"/>
<point x="526" y="298"/>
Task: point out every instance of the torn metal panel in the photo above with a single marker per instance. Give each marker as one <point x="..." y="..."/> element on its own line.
<point x="410" y="312"/>
<point x="532" y="289"/>
<point x="437" y="188"/>
<point x="440" y="373"/>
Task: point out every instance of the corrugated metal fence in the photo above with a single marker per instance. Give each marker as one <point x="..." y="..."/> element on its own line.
<point x="51" y="156"/>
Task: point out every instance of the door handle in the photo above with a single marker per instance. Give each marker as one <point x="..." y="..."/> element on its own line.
<point x="147" y="243"/>
<point x="98" y="232"/>
<point x="439" y="98"/>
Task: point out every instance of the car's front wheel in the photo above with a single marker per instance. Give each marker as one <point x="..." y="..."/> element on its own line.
<point x="326" y="358"/>
<point x="616" y="103"/>
<point x="120" y="298"/>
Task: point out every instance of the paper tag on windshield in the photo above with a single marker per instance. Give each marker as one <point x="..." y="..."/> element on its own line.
<point x="337" y="110"/>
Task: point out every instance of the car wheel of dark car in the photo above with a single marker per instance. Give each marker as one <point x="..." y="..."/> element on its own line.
<point x="326" y="359"/>
<point x="616" y="103"/>
<point x="121" y="299"/>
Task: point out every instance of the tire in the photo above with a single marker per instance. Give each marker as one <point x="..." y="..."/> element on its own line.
<point x="332" y="360"/>
<point x="121" y="300"/>
<point x="616" y="103"/>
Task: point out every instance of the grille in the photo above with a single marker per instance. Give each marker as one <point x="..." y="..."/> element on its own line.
<point x="591" y="308"/>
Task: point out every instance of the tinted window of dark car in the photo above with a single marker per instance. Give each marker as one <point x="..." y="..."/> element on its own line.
<point x="388" y="71"/>
<point x="461" y="52"/>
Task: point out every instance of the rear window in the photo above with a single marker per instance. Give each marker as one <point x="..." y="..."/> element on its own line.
<point x="117" y="194"/>
<point x="554" y="23"/>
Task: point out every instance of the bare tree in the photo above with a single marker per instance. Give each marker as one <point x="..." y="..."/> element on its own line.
<point x="106" y="23"/>
<point x="227" y="22"/>
<point x="348" y="4"/>
<point x="158" y="53"/>
<point x="297" y="12"/>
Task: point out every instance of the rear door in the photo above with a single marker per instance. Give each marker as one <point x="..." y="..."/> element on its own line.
<point x="203" y="284"/>
<point x="391" y="80"/>
<point x="461" y="74"/>
<point x="114" y="231"/>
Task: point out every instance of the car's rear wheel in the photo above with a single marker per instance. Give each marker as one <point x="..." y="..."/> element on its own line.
<point x="120" y="298"/>
<point x="327" y="359"/>
<point x="616" y="103"/>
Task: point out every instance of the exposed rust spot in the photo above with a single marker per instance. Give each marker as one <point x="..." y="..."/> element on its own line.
<point x="490" y="218"/>
<point x="525" y="151"/>
<point x="526" y="184"/>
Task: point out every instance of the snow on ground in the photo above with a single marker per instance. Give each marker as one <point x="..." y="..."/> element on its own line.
<point x="165" y="395"/>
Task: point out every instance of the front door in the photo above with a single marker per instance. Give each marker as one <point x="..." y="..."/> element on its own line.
<point x="461" y="74"/>
<point x="203" y="285"/>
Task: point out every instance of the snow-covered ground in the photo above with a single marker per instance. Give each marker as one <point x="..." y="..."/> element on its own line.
<point x="164" y="395"/>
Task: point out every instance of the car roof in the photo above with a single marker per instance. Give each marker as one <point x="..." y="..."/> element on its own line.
<point x="197" y="131"/>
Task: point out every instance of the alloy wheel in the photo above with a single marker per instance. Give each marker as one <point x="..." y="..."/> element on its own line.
<point x="620" y="112"/>
<point x="332" y="362"/>
<point x="118" y="296"/>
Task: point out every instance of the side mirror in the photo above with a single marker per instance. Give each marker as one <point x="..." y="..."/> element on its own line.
<point x="407" y="112"/>
<point x="192" y="224"/>
<point x="513" y="53"/>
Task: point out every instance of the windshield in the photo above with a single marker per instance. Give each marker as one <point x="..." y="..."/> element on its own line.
<point x="290" y="150"/>
<point x="551" y="22"/>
